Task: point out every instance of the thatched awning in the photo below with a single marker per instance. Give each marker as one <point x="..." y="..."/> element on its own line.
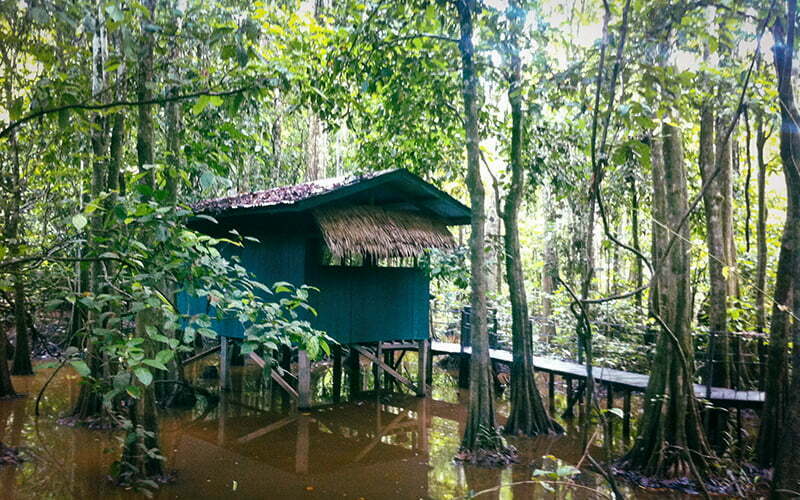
<point x="374" y="231"/>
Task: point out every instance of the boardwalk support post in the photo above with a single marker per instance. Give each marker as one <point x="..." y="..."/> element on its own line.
<point x="626" y="416"/>
<point x="610" y="418"/>
<point x="551" y="392"/>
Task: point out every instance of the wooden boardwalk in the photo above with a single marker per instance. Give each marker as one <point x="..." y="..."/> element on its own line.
<point x="614" y="379"/>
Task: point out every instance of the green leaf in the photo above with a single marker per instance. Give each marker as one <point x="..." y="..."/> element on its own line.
<point x="143" y="374"/>
<point x="134" y="391"/>
<point x="158" y="365"/>
<point x="81" y="367"/>
<point x="165" y="356"/>
<point x="79" y="221"/>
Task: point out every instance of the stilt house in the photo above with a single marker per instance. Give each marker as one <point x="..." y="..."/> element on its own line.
<point x="356" y="238"/>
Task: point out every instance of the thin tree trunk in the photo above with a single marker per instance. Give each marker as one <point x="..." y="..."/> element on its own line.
<point x="761" y="244"/>
<point x="550" y="271"/>
<point x="527" y="415"/>
<point x="89" y="404"/>
<point x="779" y="436"/>
<point x="143" y="410"/>
<point x="638" y="271"/>
<point x="717" y="370"/>
<point x="481" y="402"/>
<point x="22" y="350"/>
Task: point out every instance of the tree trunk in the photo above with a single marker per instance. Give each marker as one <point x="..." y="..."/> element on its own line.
<point x="779" y="436"/>
<point x="277" y="141"/>
<point x="22" y="350"/>
<point x="527" y="415"/>
<point x="481" y="401"/>
<point x="89" y="404"/>
<point x="638" y="271"/>
<point x="143" y="411"/>
<point x="717" y="370"/>
<point x="671" y="442"/>
<point x="316" y="146"/>
<point x="550" y="271"/>
<point x="761" y="245"/>
<point x="144" y="78"/>
<point x="725" y="179"/>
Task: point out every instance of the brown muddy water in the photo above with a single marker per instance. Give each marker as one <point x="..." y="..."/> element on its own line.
<point x="253" y="444"/>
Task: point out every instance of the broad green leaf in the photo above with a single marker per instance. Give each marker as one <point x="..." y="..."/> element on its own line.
<point x="143" y="374"/>
<point x="81" y="367"/>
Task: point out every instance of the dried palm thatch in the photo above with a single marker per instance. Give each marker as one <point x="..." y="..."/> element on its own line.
<point x="375" y="231"/>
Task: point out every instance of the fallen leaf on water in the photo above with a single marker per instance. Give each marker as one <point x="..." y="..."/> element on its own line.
<point x="309" y="488"/>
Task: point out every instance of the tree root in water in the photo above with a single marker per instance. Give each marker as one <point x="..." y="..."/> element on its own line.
<point x="10" y="455"/>
<point x="488" y="458"/>
<point x="750" y="481"/>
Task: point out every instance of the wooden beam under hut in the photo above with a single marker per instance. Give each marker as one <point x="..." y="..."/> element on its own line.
<point x="275" y="376"/>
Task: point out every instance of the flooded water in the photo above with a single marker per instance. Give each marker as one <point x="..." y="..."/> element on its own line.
<point x="252" y="444"/>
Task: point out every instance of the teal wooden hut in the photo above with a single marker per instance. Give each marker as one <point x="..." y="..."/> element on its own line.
<point x="356" y="238"/>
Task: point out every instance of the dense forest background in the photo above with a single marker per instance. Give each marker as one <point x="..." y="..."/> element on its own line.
<point x="630" y="165"/>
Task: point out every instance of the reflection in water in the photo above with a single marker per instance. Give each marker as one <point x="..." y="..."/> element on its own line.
<point x="252" y="444"/>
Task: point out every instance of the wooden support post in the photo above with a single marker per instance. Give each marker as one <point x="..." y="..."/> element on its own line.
<point x="463" y="371"/>
<point x="568" y="413"/>
<point x="463" y="359"/>
<point x="354" y="370"/>
<point x="303" y="380"/>
<point x="551" y="392"/>
<point x="337" y="372"/>
<point x="223" y="364"/>
<point x="739" y="445"/>
<point x="388" y="358"/>
<point x="422" y="364"/>
<point x="429" y="364"/>
<point x="377" y="370"/>
<point x="610" y="418"/>
<point x="626" y="418"/>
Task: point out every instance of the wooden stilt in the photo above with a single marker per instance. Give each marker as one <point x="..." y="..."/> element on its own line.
<point x="739" y="440"/>
<point x="303" y="380"/>
<point x="388" y="358"/>
<point x="223" y="364"/>
<point x="463" y="371"/>
<point x="337" y="372"/>
<point x="422" y="364"/>
<point x="568" y="413"/>
<point x="354" y="370"/>
<point x="610" y="418"/>
<point x="429" y="364"/>
<point x="377" y="370"/>
<point x="551" y="392"/>
<point x="626" y="417"/>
